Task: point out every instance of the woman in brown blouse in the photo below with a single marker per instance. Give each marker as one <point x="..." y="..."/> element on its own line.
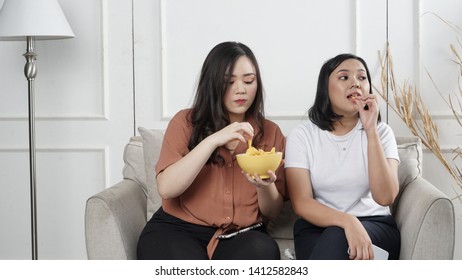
<point x="205" y="195"/>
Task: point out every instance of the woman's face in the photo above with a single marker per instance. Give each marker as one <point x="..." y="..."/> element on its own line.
<point x="241" y="90"/>
<point x="347" y="82"/>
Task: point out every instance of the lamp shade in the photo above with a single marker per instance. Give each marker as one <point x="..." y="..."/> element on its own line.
<point x="42" y="19"/>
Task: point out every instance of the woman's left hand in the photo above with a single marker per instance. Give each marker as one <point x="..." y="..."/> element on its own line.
<point x="259" y="182"/>
<point x="368" y="117"/>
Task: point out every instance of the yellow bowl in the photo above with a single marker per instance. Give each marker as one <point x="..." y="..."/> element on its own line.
<point x="259" y="164"/>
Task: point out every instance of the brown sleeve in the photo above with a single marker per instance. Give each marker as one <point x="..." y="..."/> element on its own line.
<point x="175" y="142"/>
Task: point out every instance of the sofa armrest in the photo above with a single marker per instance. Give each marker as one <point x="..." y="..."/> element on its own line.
<point x="114" y="219"/>
<point x="425" y="217"/>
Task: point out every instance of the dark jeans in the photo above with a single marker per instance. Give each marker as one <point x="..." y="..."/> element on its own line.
<point x="316" y="243"/>
<point x="166" y="237"/>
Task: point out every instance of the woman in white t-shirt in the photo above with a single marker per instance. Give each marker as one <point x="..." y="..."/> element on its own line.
<point x="342" y="169"/>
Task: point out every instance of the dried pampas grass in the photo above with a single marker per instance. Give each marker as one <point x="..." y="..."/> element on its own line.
<point x="408" y="104"/>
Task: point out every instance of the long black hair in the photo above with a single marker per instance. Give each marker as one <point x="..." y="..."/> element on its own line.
<point x="209" y="114"/>
<point x="321" y="112"/>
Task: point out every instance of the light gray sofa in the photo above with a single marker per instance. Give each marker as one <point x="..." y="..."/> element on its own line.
<point x="115" y="217"/>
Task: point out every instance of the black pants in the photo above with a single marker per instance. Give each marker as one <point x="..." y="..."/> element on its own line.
<point x="166" y="237"/>
<point x="316" y="243"/>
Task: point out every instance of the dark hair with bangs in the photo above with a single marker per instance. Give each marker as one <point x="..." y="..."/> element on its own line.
<point x="321" y="112"/>
<point x="209" y="114"/>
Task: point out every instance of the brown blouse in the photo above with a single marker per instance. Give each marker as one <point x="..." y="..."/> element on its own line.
<point x="220" y="196"/>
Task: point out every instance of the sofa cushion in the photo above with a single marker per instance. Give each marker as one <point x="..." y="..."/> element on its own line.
<point x="152" y="142"/>
<point x="281" y="226"/>
<point x="134" y="162"/>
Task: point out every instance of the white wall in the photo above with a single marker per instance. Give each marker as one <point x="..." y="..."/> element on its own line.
<point x="285" y="36"/>
<point x="135" y="63"/>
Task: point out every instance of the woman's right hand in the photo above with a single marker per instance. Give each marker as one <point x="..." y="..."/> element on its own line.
<point x="241" y="131"/>
<point x="359" y="242"/>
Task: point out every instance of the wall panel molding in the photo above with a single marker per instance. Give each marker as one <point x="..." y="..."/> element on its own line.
<point x="102" y="113"/>
<point x="103" y="151"/>
<point x="303" y="72"/>
<point x="56" y="118"/>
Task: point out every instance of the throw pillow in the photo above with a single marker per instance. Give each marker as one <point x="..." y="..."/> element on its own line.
<point x="410" y="166"/>
<point x="410" y="155"/>
<point x="134" y="168"/>
<point x="152" y="142"/>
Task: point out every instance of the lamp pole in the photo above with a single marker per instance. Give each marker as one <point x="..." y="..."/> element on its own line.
<point x="30" y="71"/>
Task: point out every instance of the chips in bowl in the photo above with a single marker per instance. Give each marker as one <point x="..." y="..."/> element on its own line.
<point x="257" y="161"/>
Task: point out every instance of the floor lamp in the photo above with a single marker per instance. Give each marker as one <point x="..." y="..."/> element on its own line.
<point x="32" y="20"/>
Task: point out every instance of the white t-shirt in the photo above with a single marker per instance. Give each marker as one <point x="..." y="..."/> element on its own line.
<point x="338" y="165"/>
